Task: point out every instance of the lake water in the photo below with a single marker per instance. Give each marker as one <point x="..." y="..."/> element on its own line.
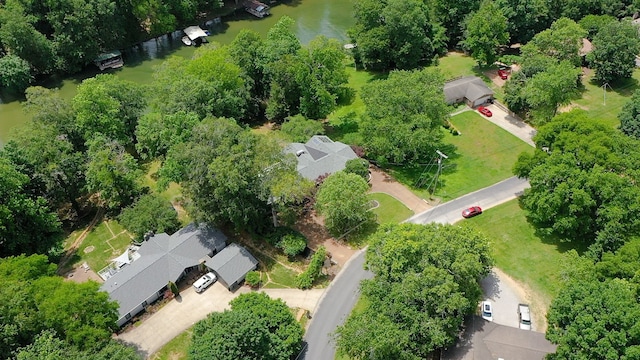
<point x="313" y="17"/>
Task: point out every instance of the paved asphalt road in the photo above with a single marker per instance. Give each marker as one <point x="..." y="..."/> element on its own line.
<point x="451" y="212"/>
<point x="333" y="309"/>
<point x="341" y="296"/>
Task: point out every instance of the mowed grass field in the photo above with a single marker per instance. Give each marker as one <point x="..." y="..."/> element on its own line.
<point x="484" y="155"/>
<point x="390" y="209"/>
<point x="529" y="257"/>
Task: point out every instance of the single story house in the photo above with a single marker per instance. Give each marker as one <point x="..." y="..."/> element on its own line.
<point x="488" y="340"/>
<point x="232" y="264"/>
<point x="320" y="156"/>
<point x="160" y="259"/>
<point x="470" y="90"/>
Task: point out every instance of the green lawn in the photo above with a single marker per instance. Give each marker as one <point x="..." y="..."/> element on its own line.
<point x="527" y="256"/>
<point x="593" y="98"/>
<point x="390" y="210"/>
<point x="108" y="240"/>
<point x="484" y="155"/>
<point x="175" y="349"/>
<point x="171" y="194"/>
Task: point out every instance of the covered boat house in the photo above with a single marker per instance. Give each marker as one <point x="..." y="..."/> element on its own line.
<point x="109" y="60"/>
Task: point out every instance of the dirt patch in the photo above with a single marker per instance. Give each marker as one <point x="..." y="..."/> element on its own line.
<point x="312" y="227"/>
<point x="81" y="274"/>
<point x="89" y="249"/>
<point x="537" y="304"/>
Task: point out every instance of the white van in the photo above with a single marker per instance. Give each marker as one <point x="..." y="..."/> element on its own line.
<point x="204" y="282"/>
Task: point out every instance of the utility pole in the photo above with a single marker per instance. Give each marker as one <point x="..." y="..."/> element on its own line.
<point x="604" y="94"/>
<point x="434" y="181"/>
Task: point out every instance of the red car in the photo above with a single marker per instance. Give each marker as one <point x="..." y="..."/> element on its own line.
<point x="484" y="111"/>
<point x="471" y="212"/>
<point x="504" y="74"/>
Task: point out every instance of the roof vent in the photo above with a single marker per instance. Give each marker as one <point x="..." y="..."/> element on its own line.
<point x="299" y="152"/>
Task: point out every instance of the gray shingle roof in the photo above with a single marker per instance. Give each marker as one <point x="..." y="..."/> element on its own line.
<point x="163" y="258"/>
<point x="320" y="155"/>
<point x="471" y="88"/>
<point x="232" y="264"/>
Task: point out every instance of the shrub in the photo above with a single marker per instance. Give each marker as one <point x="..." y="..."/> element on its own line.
<point x="293" y="244"/>
<point x="306" y="279"/>
<point x="358" y="167"/>
<point x="253" y="279"/>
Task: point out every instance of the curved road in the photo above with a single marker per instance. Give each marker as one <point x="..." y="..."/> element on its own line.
<point x="339" y="299"/>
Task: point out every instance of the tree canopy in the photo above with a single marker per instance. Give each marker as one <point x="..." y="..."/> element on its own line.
<point x="150" y="213"/>
<point x="396" y="34"/>
<point x="256" y="327"/>
<point x="485" y="32"/>
<point x="33" y="299"/>
<point x="342" y="200"/>
<point x="404" y="115"/>
<point x="615" y="48"/>
<point x="629" y="116"/>
<point x="584" y="188"/>
<point x="426" y="281"/>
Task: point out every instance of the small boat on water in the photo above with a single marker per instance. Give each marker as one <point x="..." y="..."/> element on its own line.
<point x="186" y="41"/>
<point x="109" y="60"/>
<point x="256" y="8"/>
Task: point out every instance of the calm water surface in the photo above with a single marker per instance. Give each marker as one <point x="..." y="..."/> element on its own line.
<point x="313" y="17"/>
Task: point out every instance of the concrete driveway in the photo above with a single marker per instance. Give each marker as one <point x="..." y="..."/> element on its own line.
<point x="514" y="125"/>
<point x="181" y="313"/>
<point x="503" y="297"/>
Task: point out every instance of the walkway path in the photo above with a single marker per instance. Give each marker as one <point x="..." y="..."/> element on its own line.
<point x="384" y="183"/>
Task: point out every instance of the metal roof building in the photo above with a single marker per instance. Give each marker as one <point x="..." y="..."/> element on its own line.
<point x="232" y="264"/>
<point x="162" y="258"/>
<point x="320" y="156"/>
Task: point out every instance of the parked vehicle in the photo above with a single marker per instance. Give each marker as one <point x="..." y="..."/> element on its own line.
<point x="484" y="111"/>
<point x="471" y="212"/>
<point x="487" y="310"/>
<point x="524" y="317"/>
<point x="204" y="282"/>
<point x="503" y="73"/>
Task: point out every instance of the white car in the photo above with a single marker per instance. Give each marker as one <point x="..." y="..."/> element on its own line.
<point x="524" y="317"/>
<point x="204" y="282"/>
<point x="487" y="310"/>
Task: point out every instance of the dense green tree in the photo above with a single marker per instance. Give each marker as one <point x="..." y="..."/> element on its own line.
<point x="593" y="23"/>
<point x="47" y="107"/>
<point x="248" y="51"/>
<point x="323" y="80"/>
<point x="55" y="168"/>
<point x="549" y="89"/>
<point x="300" y="129"/>
<point x="255" y="328"/>
<point x="629" y="116"/>
<point x="251" y="165"/>
<point x="15" y="73"/>
<point x="81" y="313"/>
<point x="585" y="188"/>
<point x="562" y="41"/>
<point x="156" y="133"/>
<point x="396" y="34"/>
<point x="209" y="84"/>
<point x="426" y="282"/>
<point x="485" y="32"/>
<point x="284" y="87"/>
<point x="27" y="225"/>
<point x="359" y="167"/>
<point x="81" y="29"/>
<point x="109" y="106"/>
<point x="314" y="270"/>
<point x="342" y="200"/>
<point x="525" y="18"/>
<point x="404" y="115"/>
<point x="113" y="173"/>
<point x="593" y="319"/>
<point x="623" y="264"/>
<point x="451" y="13"/>
<point x="150" y="213"/>
<point x="615" y="48"/>
<point x="19" y="37"/>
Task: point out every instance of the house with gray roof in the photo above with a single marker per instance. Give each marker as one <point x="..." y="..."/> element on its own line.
<point x="483" y="340"/>
<point x="320" y="156"/>
<point x="232" y="264"/>
<point x="470" y="90"/>
<point x="160" y="259"/>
